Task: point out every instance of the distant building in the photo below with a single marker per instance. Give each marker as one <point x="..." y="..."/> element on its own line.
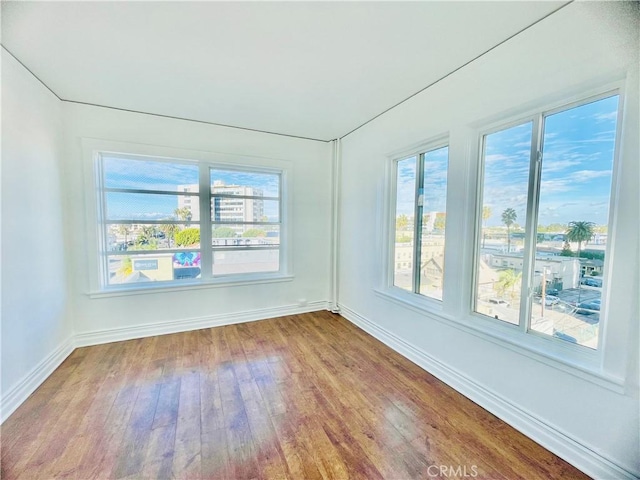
<point x="432" y="246"/>
<point x="227" y="208"/>
<point x="559" y="272"/>
<point x="591" y="267"/>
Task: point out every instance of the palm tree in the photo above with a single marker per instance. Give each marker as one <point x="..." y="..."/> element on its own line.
<point x="580" y="232"/>
<point x="169" y="230"/>
<point x="509" y="217"/>
<point x="124" y="230"/>
<point x="184" y="214"/>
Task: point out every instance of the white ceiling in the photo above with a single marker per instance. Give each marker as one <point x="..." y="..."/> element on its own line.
<point x="316" y="70"/>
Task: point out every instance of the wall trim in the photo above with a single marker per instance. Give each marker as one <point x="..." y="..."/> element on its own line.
<point x="16" y="395"/>
<point x="550" y="437"/>
<point x="184" y="325"/>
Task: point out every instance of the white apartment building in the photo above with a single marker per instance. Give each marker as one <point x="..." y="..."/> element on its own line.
<point x="227" y="208"/>
<point x="556" y="270"/>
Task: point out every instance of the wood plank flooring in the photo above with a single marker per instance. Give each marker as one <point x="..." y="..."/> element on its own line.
<point x="301" y="397"/>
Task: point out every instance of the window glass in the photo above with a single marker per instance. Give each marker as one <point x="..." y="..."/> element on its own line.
<point x="142" y="174"/>
<point x="573" y="218"/>
<point x="234" y="182"/>
<point x="556" y="290"/>
<point x="404" y="227"/>
<point x="434" y="215"/>
<point x="506" y="160"/>
<point x="152" y="225"/>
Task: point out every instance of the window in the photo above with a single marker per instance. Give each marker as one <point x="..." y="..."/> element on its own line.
<point x="157" y="216"/>
<point x="545" y="191"/>
<point x="420" y="217"/>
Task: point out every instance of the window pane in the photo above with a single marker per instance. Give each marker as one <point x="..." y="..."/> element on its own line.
<point x="153" y="267"/>
<point x="147" y="206"/>
<point x="233" y="182"/>
<point x="231" y="262"/>
<point x="147" y="174"/>
<point x="230" y="235"/>
<point x="136" y="237"/>
<point x="405" y="208"/>
<point x="573" y="220"/>
<point x="504" y="203"/>
<point x="224" y="209"/>
<point x="434" y="213"/>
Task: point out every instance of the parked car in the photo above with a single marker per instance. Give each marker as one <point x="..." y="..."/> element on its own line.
<point x="591" y="282"/>
<point x="549" y="300"/>
<point x="553" y="291"/>
<point x="499" y="301"/>
<point x="587" y="308"/>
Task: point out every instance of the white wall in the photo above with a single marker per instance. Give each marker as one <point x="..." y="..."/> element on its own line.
<point x="583" y="45"/>
<point x="310" y="221"/>
<point x="35" y="320"/>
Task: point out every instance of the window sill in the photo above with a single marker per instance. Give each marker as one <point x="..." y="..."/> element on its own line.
<point x="580" y="362"/>
<point x="168" y="287"/>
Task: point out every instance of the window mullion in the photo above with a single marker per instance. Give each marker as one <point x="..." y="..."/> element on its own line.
<point x="417" y="223"/>
<point x="206" y="253"/>
<point x="102" y="216"/>
<point x="533" y="196"/>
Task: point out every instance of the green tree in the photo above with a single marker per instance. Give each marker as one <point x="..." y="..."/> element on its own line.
<point x="440" y="222"/>
<point x="224" y="232"/>
<point x="146" y="239"/>
<point x="580" y="231"/>
<point x="170" y="230"/>
<point x="509" y="217"/>
<point x="254" y="232"/>
<point x="188" y="237"/>
<point x="508" y="279"/>
<point x="184" y="214"/>
<point x="402" y="221"/>
<point x="124" y="230"/>
<point x="566" y="250"/>
<point x="126" y="267"/>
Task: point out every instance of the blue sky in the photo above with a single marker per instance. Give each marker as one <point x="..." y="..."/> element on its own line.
<point x="577" y="163"/>
<point x="435" y="182"/>
<point x="578" y="148"/>
<point x="158" y="175"/>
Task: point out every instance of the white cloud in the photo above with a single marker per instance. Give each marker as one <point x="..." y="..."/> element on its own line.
<point x="586" y="175"/>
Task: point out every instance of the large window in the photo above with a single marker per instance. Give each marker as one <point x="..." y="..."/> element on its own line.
<point x="544" y="221"/>
<point x="180" y="222"/>
<point x="420" y="217"/>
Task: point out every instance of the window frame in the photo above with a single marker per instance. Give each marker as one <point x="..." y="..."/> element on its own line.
<point x="522" y="333"/>
<point x="419" y="151"/>
<point x="95" y="202"/>
<point x="602" y="367"/>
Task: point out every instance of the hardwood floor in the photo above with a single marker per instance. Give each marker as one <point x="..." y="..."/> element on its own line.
<point x="301" y="397"/>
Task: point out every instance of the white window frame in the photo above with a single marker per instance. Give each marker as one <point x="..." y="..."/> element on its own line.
<point x="389" y="288"/>
<point x="521" y="334"/>
<point x="601" y="367"/>
<point x="206" y="161"/>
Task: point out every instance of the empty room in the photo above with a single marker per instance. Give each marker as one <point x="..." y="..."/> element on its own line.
<point x="324" y="240"/>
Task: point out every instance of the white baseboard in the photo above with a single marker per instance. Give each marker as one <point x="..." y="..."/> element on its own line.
<point x="550" y="437"/>
<point x="21" y="391"/>
<point x="25" y="387"/>
<point x="187" y="324"/>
